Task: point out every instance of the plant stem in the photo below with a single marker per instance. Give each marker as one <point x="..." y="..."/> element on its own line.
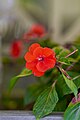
<point x="54" y="83"/>
<point x="64" y="72"/>
<point x="71" y="53"/>
<point x="71" y="66"/>
<point x="76" y="77"/>
<point x="61" y="70"/>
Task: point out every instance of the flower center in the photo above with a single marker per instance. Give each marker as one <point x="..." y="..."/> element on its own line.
<point x="40" y="58"/>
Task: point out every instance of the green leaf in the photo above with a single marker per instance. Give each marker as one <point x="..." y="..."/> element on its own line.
<point x="32" y="93"/>
<point x="45" y="102"/>
<point x="77" y="80"/>
<point x="61" y="87"/>
<point x="71" y="85"/>
<point x="72" y="60"/>
<point x="64" y="53"/>
<point x="61" y="105"/>
<point x="65" y="89"/>
<point x="58" y="50"/>
<point x="72" y="112"/>
<point x="25" y="72"/>
<point x="61" y="53"/>
<point x="64" y="60"/>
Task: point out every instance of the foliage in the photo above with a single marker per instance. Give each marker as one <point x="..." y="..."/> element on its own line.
<point x="72" y="112"/>
<point x="57" y="85"/>
<point x="46" y="102"/>
<point x="25" y="72"/>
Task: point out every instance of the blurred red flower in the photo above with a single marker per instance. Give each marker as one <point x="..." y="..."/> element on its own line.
<point x="36" y="31"/>
<point x="16" y="49"/>
<point x="39" y="59"/>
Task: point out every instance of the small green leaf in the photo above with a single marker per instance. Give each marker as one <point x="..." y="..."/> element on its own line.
<point x="71" y="85"/>
<point x="64" y="53"/>
<point x="46" y="102"/>
<point x="58" y="50"/>
<point x="72" y="59"/>
<point x="25" y="72"/>
<point x="64" y="60"/>
<point x="65" y="89"/>
<point x="72" y="112"/>
<point x="61" y="53"/>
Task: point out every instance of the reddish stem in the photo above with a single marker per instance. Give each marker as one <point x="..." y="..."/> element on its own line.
<point x="71" y="53"/>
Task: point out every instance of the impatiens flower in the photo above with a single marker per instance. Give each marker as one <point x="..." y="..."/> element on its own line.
<point x="16" y="49"/>
<point x="74" y="100"/>
<point x="37" y="31"/>
<point x="39" y="59"/>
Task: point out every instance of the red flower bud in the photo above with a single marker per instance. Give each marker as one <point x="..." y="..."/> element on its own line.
<point x="74" y="100"/>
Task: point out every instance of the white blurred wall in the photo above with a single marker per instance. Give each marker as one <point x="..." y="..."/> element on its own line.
<point x="65" y="13"/>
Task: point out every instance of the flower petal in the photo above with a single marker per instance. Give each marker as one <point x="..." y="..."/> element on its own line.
<point x="33" y="47"/>
<point x="45" y="65"/>
<point x="29" y="57"/>
<point x="37" y="73"/>
<point x="38" y="52"/>
<point x="52" y="57"/>
<point x="50" y="62"/>
<point x="31" y="65"/>
<point x="47" y="51"/>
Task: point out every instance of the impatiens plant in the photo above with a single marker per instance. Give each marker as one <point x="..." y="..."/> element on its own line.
<point x="57" y="70"/>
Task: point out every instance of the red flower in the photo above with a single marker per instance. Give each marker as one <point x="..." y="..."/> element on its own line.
<point x="37" y="31"/>
<point x="16" y="49"/>
<point x="39" y="59"/>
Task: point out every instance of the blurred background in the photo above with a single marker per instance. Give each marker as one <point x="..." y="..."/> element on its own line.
<point x="61" y="18"/>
